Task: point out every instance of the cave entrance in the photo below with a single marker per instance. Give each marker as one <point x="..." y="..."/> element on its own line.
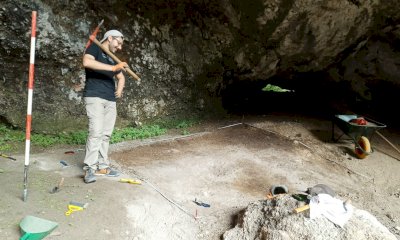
<point x="310" y="97"/>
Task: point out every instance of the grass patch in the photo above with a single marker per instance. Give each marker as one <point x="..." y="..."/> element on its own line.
<point x="10" y="138"/>
<point x="132" y="133"/>
<point x="179" y="124"/>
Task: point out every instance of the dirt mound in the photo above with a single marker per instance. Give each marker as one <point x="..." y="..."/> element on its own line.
<point x="275" y="220"/>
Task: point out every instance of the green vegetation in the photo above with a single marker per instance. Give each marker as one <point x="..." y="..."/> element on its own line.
<point x="132" y="133"/>
<point x="177" y="123"/>
<point x="182" y="125"/>
<point x="274" y="88"/>
<point x="10" y="139"/>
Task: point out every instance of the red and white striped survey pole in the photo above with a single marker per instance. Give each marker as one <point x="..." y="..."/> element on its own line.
<point x="29" y="108"/>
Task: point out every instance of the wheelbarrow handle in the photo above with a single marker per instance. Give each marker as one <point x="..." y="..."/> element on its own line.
<point x="391" y="144"/>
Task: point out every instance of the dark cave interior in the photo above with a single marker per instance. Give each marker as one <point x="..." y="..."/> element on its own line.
<point x="310" y="96"/>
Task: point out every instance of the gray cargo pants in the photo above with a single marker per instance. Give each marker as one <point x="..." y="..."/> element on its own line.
<point x="102" y="115"/>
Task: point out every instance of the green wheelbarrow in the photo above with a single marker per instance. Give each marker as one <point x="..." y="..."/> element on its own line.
<point x="360" y="134"/>
<point x="34" y="228"/>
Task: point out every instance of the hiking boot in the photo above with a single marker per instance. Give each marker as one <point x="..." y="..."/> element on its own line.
<point x="89" y="176"/>
<point x="109" y="172"/>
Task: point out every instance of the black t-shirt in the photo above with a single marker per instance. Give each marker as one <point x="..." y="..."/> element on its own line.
<point x="99" y="83"/>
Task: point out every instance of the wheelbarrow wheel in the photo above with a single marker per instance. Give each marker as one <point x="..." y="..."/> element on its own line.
<point x="365" y="146"/>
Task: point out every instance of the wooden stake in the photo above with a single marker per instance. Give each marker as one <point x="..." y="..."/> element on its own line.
<point x="391" y="144"/>
<point x="303" y="208"/>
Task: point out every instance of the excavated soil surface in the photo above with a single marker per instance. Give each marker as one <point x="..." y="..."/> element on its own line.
<point x="226" y="164"/>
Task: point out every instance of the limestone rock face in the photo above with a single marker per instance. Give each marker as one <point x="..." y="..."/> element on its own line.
<point x="188" y="52"/>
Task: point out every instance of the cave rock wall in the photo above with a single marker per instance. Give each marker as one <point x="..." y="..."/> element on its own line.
<point x="187" y="52"/>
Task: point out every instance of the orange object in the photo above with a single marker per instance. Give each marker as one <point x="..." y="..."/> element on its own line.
<point x="359" y="121"/>
<point x="119" y="66"/>
<point x="364" y="148"/>
<point x="270" y="196"/>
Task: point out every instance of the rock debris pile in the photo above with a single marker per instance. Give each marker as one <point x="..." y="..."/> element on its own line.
<point x="275" y="219"/>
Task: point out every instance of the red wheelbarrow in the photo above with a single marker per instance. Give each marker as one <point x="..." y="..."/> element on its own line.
<point x="359" y="131"/>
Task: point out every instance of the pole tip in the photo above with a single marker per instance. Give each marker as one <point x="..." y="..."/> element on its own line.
<point x="25" y="194"/>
